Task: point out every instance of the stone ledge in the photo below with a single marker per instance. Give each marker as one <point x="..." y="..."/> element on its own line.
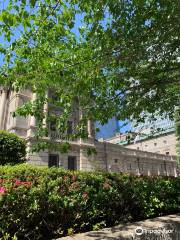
<point x="161" y="228"/>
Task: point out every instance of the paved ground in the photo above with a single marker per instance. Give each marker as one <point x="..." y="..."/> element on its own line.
<point x="161" y="228"/>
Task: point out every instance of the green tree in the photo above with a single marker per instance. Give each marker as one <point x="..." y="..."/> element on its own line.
<point x="123" y="60"/>
<point x="12" y="148"/>
<point x="177" y="125"/>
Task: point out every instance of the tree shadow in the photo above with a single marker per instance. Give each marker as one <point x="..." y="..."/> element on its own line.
<point x="161" y="228"/>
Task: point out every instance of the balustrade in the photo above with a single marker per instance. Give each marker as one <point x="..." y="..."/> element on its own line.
<point x="58" y="136"/>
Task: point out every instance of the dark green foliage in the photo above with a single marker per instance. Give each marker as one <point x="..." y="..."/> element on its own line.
<point x="177" y="125"/>
<point x="41" y="203"/>
<point x="12" y="148"/>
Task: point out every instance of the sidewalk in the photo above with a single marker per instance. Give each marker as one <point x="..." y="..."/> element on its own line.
<point x="161" y="228"/>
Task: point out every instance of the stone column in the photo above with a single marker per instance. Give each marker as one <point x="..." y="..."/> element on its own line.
<point x="175" y="169"/>
<point x="81" y="154"/>
<point x="45" y="110"/>
<point x="28" y="151"/>
<point x="32" y="122"/>
<point x="2" y="107"/>
<point x="138" y="165"/>
<point x="91" y="133"/>
<point x="80" y="117"/>
<point x="89" y="126"/>
<point x="91" y="130"/>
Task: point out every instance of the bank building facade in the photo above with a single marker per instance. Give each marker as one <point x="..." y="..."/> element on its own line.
<point x="108" y="157"/>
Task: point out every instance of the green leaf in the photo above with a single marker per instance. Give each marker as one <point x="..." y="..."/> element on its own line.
<point x="32" y="3"/>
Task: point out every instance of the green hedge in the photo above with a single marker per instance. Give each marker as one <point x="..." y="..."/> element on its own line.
<point x="12" y="148"/>
<point x="42" y="203"/>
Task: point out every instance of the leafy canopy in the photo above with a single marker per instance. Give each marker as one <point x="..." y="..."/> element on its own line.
<point x="123" y="60"/>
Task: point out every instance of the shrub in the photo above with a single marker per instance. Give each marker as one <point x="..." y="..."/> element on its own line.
<point x="43" y="203"/>
<point x="12" y="148"/>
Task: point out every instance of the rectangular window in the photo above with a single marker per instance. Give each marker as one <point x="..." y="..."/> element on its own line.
<point x="10" y="117"/>
<point x="163" y="168"/>
<point x="69" y="127"/>
<point x="53" y="160"/>
<point x="72" y="163"/>
<point x="54" y="96"/>
<point x="53" y="125"/>
<point x="129" y="167"/>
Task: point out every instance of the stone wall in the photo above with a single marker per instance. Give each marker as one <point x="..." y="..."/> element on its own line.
<point x="115" y="158"/>
<point x="110" y="157"/>
<point x="163" y="144"/>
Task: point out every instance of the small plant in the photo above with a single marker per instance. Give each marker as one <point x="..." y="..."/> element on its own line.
<point x="70" y="231"/>
<point x="98" y="226"/>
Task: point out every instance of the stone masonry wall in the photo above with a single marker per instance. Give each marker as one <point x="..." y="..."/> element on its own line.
<point x="115" y="158"/>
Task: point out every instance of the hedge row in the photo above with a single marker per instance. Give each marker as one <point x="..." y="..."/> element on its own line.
<point x="42" y="203"/>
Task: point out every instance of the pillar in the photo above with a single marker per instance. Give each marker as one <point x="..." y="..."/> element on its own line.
<point x="80" y="118"/>
<point x="32" y="121"/>
<point x="89" y="126"/>
<point x="45" y="110"/>
<point x="2" y="107"/>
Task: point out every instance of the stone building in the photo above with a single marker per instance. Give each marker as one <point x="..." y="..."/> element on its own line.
<point x="162" y="141"/>
<point x="109" y="156"/>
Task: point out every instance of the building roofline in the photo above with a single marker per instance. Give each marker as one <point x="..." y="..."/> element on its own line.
<point x="145" y="138"/>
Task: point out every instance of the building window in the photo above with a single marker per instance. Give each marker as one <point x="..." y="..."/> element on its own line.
<point x="167" y="153"/>
<point x="8" y="94"/>
<point x="53" y="160"/>
<point x="115" y="160"/>
<point x="53" y="125"/>
<point x="140" y="165"/>
<point x="155" y="144"/>
<point x="54" y="96"/>
<point x="69" y="127"/>
<point x="129" y="166"/>
<point x="146" y="145"/>
<point x="10" y="117"/>
<point x="137" y="148"/>
<point x="165" y="141"/>
<point x="163" y="167"/>
<point x="72" y="163"/>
